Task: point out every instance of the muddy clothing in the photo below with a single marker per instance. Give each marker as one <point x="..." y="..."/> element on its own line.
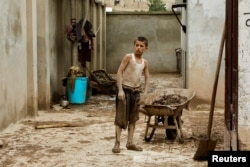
<point x="86" y="44"/>
<point x="127" y="109"/>
<point x="133" y="73"/>
<point x="84" y="53"/>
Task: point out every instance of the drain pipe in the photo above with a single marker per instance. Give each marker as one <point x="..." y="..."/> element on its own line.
<point x="183" y="53"/>
<point x="178" y="6"/>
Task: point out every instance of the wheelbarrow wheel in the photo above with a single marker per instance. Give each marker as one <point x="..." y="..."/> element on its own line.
<point x="171" y="133"/>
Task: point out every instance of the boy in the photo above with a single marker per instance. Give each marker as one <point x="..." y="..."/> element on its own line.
<point x="129" y="73"/>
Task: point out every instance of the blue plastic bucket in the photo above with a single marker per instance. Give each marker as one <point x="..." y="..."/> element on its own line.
<point x="78" y="94"/>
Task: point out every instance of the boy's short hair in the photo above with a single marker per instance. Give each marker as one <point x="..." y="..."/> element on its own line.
<point x="142" y="39"/>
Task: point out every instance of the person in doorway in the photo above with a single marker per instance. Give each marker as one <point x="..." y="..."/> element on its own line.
<point x="132" y="68"/>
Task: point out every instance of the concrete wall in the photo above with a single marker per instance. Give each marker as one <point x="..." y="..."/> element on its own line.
<point x="161" y="29"/>
<point x="43" y="70"/>
<point x="135" y="5"/>
<point x="244" y="75"/>
<point x="14" y="62"/>
<point x="57" y="54"/>
<point x="35" y="54"/>
<point x="32" y="86"/>
<point x="205" y="21"/>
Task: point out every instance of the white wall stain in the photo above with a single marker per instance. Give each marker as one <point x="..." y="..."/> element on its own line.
<point x="244" y="73"/>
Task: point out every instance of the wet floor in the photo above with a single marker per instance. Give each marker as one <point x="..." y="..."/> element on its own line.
<point x="84" y="136"/>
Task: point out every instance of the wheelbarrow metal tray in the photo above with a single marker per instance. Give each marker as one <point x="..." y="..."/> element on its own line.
<point x="102" y="78"/>
<point x="169" y="110"/>
<point x="159" y="110"/>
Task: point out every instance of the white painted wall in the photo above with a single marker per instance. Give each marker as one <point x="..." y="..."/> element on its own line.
<point x="13" y="64"/>
<point x="244" y="75"/>
<point x="205" y="21"/>
<point x="35" y="54"/>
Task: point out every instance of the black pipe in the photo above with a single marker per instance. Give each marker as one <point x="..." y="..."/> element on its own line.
<point x="178" y="6"/>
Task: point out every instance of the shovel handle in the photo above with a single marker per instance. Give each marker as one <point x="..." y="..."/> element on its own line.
<point x="210" y="122"/>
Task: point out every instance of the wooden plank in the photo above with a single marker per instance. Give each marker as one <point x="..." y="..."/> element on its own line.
<point x="58" y="125"/>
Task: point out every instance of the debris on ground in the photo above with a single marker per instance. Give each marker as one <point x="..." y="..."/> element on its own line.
<point x="1" y="143"/>
<point x="92" y="143"/>
<point x="59" y="124"/>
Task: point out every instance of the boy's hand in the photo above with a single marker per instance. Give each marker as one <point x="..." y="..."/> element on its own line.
<point x="143" y="99"/>
<point x="121" y="95"/>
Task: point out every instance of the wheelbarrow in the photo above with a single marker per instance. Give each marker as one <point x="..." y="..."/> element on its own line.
<point x="166" y="117"/>
<point x="102" y="82"/>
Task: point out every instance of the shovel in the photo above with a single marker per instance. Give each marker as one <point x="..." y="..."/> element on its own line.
<point x="209" y="145"/>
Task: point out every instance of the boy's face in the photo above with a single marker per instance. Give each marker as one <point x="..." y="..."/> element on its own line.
<point x="139" y="47"/>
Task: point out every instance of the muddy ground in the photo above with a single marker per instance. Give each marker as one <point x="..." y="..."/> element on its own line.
<point x="85" y="136"/>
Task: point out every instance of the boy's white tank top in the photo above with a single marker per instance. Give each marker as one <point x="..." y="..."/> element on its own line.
<point x="132" y="73"/>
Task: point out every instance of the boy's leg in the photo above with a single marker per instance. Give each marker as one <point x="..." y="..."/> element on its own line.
<point x="131" y="131"/>
<point x="130" y="145"/>
<point x="118" y="131"/>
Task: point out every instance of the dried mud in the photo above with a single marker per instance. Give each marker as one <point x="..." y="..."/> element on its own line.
<point x="90" y="143"/>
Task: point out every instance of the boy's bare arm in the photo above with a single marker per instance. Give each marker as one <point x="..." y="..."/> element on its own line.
<point x="146" y="75"/>
<point x="120" y="71"/>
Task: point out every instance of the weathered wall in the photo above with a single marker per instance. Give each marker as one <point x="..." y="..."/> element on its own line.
<point x="13" y="64"/>
<point x="205" y="25"/>
<point x="161" y="29"/>
<point x="32" y="90"/>
<point x="244" y="75"/>
<point x="43" y="68"/>
<point x="135" y="5"/>
<point x="56" y="53"/>
<point x="35" y="54"/>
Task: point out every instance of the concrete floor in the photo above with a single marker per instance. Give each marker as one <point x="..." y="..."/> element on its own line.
<point x="90" y="138"/>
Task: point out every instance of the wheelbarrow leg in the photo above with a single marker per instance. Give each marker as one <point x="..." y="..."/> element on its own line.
<point x="180" y="125"/>
<point x="177" y="122"/>
<point x="148" y="138"/>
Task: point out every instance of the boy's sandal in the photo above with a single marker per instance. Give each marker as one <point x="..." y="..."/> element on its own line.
<point x="116" y="150"/>
<point x="134" y="147"/>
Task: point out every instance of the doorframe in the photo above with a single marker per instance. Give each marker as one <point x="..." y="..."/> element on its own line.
<point x="231" y="76"/>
